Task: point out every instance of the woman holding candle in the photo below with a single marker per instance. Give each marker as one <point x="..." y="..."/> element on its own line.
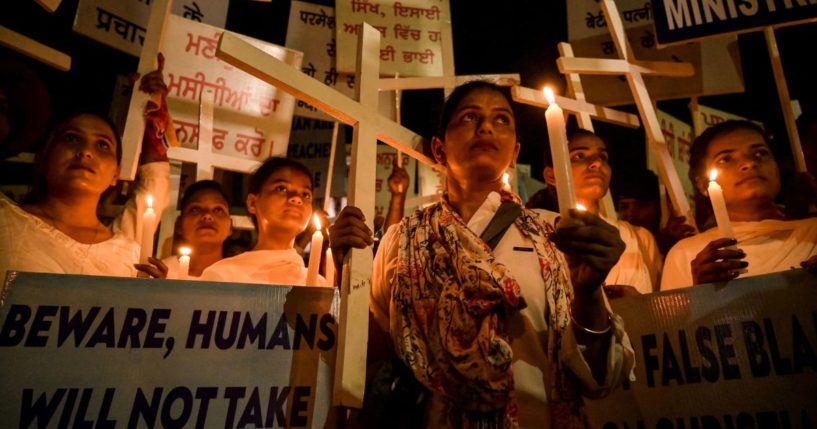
<point x="280" y="203"/>
<point x="639" y="267"/>
<point x="748" y="181"/>
<point x="203" y="226"/>
<point x="492" y="330"/>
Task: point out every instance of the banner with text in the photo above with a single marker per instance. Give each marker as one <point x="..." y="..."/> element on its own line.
<point x="685" y="20"/>
<point x="117" y="352"/>
<point x="410" y="31"/>
<point x="740" y="355"/>
<point x="121" y="24"/>
<point x="716" y="62"/>
<point x="311" y="30"/>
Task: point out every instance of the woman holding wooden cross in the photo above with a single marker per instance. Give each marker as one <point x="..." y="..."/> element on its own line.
<point x="475" y="290"/>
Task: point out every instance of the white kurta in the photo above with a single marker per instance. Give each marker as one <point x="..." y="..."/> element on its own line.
<point x="528" y="328"/>
<point x="27" y="243"/>
<point x="640" y="264"/>
<point x="770" y="246"/>
<point x="275" y="267"/>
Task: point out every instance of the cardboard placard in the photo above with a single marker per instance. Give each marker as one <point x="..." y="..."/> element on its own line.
<point x="120" y="352"/>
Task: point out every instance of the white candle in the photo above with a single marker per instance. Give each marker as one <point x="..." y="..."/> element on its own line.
<point x="315" y="254"/>
<point x="719" y="206"/>
<point x="184" y="263"/>
<point x="329" y="268"/>
<point x="148" y="228"/>
<point x="506" y="182"/>
<point x="557" y="134"/>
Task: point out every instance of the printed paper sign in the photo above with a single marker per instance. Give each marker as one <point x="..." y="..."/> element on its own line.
<point x="121" y="24"/>
<point x="311" y="30"/>
<point x="410" y="31"/>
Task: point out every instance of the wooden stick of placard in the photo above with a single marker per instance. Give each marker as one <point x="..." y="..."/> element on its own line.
<point x="327" y="196"/>
<point x="634" y="70"/>
<point x="135" y="123"/>
<point x="369" y="127"/>
<point x="785" y="100"/>
<point x="34" y="49"/>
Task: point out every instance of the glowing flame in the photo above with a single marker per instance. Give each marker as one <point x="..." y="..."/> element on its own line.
<point x="549" y="95"/>
<point x="580" y="207"/>
<point x="149" y="200"/>
<point x="185" y="251"/>
<point x="317" y="221"/>
<point x="506" y="179"/>
<point x="713" y="174"/>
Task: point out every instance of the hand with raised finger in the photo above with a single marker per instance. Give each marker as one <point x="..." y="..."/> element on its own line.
<point x="719" y="261"/>
<point x="591" y="246"/>
<point x="155" y="269"/>
<point x="349" y="231"/>
<point x="399" y="179"/>
<point x="157" y="117"/>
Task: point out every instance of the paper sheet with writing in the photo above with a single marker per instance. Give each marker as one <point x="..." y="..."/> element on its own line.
<point x="410" y="33"/>
<point x="165" y="353"/>
<point x="311" y="30"/>
<point x="121" y="23"/>
<point x="252" y="119"/>
<point x="716" y="62"/>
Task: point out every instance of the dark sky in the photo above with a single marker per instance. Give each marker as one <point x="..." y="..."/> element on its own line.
<point x="489" y="37"/>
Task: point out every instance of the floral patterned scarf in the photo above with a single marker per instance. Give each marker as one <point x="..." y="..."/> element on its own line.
<point x="448" y="317"/>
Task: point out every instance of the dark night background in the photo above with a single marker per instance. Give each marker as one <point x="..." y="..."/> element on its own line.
<point x="489" y="37"/>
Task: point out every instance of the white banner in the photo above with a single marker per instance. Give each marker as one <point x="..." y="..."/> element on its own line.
<point x="120" y="352"/>
<point x="121" y="23"/>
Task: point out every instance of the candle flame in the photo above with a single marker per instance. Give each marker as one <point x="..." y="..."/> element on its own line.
<point x="185" y="251"/>
<point x="149" y="200"/>
<point x="506" y="179"/>
<point x="713" y="174"/>
<point x="581" y="207"/>
<point x="549" y="95"/>
<point x="317" y="221"/>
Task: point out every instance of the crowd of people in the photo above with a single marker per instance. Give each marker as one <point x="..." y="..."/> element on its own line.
<point x="498" y="311"/>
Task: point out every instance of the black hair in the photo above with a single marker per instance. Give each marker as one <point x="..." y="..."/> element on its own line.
<point x="39" y="186"/>
<point x="270" y="166"/>
<point x="640" y="184"/>
<point x="700" y="146"/>
<point x="455" y="98"/>
<point x="200" y="186"/>
<point x="547" y="156"/>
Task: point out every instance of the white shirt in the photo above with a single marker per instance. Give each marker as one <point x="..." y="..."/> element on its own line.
<point x="27" y="243"/>
<point x="770" y="246"/>
<point x="528" y="328"/>
<point x="276" y="267"/>
<point x="640" y="264"/>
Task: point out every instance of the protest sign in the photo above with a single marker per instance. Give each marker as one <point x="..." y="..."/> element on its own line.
<point x="120" y="352"/>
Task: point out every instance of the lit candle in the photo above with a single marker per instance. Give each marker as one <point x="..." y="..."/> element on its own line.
<point x="719" y="206"/>
<point x="506" y="182"/>
<point x="314" y="254"/>
<point x="580" y="207"/>
<point x="557" y="134"/>
<point x="329" y="268"/>
<point x="148" y="228"/>
<point x="184" y="262"/>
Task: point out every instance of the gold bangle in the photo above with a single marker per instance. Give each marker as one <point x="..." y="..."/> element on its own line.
<point x="593" y="332"/>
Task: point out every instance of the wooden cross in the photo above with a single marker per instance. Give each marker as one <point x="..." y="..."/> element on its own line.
<point x="634" y="70"/>
<point x="583" y="110"/>
<point x="34" y="49"/>
<point x="135" y="124"/>
<point x="369" y="127"/>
